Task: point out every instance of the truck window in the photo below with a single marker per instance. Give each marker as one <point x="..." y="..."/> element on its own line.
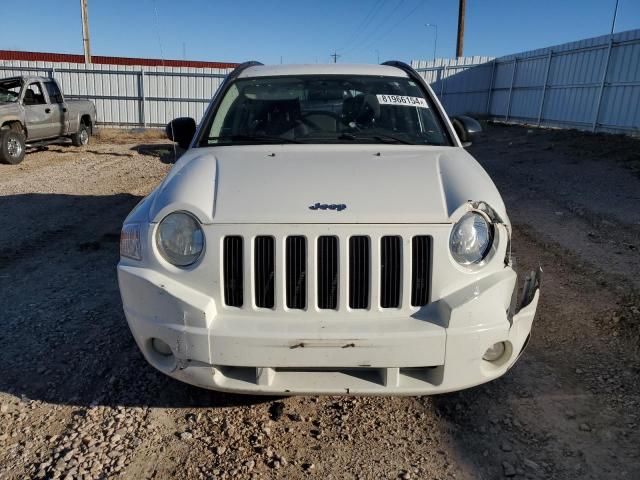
<point x="54" y="92"/>
<point x="33" y="95"/>
<point x="10" y="89"/>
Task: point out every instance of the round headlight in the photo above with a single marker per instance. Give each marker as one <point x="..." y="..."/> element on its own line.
<point x="470" y="239"/>
<point x="180" y="239"/>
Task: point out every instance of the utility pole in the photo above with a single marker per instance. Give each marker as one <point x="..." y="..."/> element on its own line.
<point x="435" y="41"/>
<point x="460" y="42"/>
<point x="615" y="14"/>
<point x="85" y="31"/>
<point x="335" y="56"/>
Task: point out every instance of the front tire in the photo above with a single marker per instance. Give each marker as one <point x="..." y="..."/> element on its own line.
<point x="12" y="146"/>
<point x="81" y="137"/>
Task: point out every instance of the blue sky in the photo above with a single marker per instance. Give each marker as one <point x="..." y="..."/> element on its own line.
<point x="309" y="31"/>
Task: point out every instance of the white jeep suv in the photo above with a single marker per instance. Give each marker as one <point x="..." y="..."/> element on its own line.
<point x="325" y="233"/>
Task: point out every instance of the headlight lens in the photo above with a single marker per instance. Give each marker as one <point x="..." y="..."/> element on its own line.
<point x="180" y="239"/>
<point x="130" y="245"/>
<point x="470" y="239"/>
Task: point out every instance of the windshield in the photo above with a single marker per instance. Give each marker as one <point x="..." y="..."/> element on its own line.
<point x="10" y="90"/>
<point x="325" y="109"/>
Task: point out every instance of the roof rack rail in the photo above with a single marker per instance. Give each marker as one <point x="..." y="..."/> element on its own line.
<point x="406" y="68"/>
<point x="243" y="66"/>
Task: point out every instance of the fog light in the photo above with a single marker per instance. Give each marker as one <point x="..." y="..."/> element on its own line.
<point x="161" y="347"/>
<point x="494" y="352"/>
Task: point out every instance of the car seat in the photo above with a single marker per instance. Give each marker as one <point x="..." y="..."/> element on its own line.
<point x="363" y="110"/>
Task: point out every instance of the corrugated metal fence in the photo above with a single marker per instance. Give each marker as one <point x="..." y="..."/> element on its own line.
<point x="129" y="95"/>
<point x="459" y="92"/>
<point x="592" y="84"/>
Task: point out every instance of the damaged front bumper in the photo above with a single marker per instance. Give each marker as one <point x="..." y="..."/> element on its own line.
<point x="435" y="349"/>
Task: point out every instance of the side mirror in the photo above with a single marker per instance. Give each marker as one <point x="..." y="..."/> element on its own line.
<point x="467" y="128"/>
<point x="181" y="130"/>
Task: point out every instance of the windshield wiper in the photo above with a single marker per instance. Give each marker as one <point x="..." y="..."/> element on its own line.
<point x="381" y="137"/>
<point x="256" y="138"/>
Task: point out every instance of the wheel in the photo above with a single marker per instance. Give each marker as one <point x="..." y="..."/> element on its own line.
<point x="11" y="146"/>
<point x="81" y="137"/>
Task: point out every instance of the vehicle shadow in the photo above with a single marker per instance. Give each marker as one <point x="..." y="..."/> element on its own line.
<point x="65" y="338"/>
<point x="168" y="153"/>
<point x="109" y="153"/>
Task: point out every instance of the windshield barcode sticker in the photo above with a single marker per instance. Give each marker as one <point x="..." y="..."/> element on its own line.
<point x="402" y="100"/>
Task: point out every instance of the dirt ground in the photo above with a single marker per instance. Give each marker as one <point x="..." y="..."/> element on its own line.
<point x="77" y="399"/>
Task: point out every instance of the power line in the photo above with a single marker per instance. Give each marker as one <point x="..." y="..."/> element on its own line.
<point x="364" y="24"/>
<point x="367" y="38"/>
<point x="388" y="31"/>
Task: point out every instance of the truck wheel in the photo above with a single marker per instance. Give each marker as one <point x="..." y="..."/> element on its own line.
<point x="81" y="137"/>
<point x="11" y="146"/>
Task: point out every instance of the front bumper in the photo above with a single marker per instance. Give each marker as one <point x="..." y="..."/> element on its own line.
<point x="434" y="349"/>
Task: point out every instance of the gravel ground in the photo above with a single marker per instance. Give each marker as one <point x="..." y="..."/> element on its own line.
<point x="77" y="400"/>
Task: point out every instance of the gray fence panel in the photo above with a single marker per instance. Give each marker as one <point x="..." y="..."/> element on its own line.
<point x="590" y="84"/>
<point x="524" y="104"/>
<point x="499" y="102"/>
<point x="127" y="95"/>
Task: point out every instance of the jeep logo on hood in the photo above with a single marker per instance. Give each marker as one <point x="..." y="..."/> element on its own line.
<point x="328" y="206"/>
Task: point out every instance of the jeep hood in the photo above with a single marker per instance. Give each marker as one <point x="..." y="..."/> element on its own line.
<point x="278" y="184"/>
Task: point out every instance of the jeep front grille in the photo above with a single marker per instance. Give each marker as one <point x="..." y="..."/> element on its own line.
<point x="303" y="272"/>
<point x="233" y="271"/>
<point x="420" y="279"/>
<point x="359" y="260"/>
<point x="390" y="271"/>
<point x="328" y="272"/>
<point x="264" y="271"/>
<point x="296" y="279"/>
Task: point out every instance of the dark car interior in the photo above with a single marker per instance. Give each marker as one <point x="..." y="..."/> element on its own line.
<point x="327" y="110"/>
<point x="33" y="95"/>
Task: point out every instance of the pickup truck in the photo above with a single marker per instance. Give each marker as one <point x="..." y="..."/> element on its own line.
<point x="33" y="111"/>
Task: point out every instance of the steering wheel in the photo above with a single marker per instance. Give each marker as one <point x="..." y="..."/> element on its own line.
<point x="315" y="126"/>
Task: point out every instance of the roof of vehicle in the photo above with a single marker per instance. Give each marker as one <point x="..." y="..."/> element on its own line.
<point x="27" y="79"/>
<point x="322" y="69"/>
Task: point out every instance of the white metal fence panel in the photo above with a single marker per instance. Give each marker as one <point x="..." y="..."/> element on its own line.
<point x="458" y="92"/>
<point x="127" y="95"/>
<point x="591" y="84"/>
